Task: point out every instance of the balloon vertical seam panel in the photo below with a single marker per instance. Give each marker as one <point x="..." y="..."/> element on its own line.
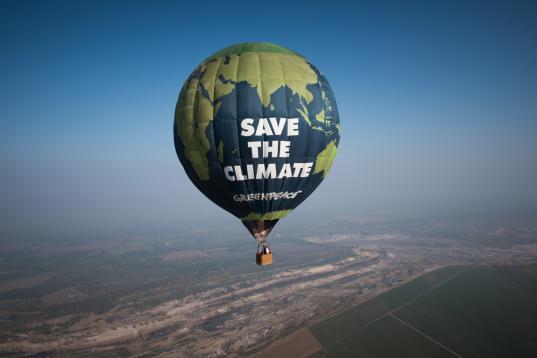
<point x="222" y="84"/>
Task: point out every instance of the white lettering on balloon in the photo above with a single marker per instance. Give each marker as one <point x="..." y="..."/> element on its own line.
<point x="268" y="127"/>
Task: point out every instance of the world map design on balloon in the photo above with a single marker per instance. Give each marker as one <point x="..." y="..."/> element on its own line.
<point x="256" y="129"/>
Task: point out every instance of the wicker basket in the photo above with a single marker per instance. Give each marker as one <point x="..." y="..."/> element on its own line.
<point x="263" y="259"/>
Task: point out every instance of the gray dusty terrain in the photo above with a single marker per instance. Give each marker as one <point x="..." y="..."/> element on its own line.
<point x="192" y="292"/>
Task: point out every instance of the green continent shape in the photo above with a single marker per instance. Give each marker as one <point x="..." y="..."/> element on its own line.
<point x="320" y="116"/>
<point x="273" y="215"/>
<point x="325" y="159"/>
<point x="267" y="67"/>
<point x="267" y="72"/>
<point x="251" y="47"/>
<point x="194" y="112"/>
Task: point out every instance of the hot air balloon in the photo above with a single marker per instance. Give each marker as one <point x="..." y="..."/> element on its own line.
<point x="256" y="129"/>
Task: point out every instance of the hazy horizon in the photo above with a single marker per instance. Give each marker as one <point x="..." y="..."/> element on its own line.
<point x="438" y="106"/>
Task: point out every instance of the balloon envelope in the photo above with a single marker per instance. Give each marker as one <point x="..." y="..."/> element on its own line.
<point x="256" y="129"/>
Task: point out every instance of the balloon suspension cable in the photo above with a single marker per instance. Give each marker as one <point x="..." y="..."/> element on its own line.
<point x="262" y="242"/>
<point x="262" y="246"/>
<point x="261" y="238"/>
<point x="261" y="232"/>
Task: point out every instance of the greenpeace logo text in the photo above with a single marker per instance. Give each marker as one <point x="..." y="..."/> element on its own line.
<point x="266" y="196"/>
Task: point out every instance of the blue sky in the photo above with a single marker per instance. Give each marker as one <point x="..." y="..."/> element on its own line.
<point x="438" y="103"/>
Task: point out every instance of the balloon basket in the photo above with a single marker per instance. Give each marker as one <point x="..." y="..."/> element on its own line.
<point x="264" y="254"/>
<point x="263" y="259"/>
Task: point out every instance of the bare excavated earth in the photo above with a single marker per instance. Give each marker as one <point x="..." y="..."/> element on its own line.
<point x="183" y="295"/>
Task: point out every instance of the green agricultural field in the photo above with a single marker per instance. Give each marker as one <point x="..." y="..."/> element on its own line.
<point x="452" y="312"/>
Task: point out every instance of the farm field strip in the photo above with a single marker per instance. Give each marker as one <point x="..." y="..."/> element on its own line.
<point x="477" y="311"/>
<point x="393" y="310"/>
<point x="425" y="335"/>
